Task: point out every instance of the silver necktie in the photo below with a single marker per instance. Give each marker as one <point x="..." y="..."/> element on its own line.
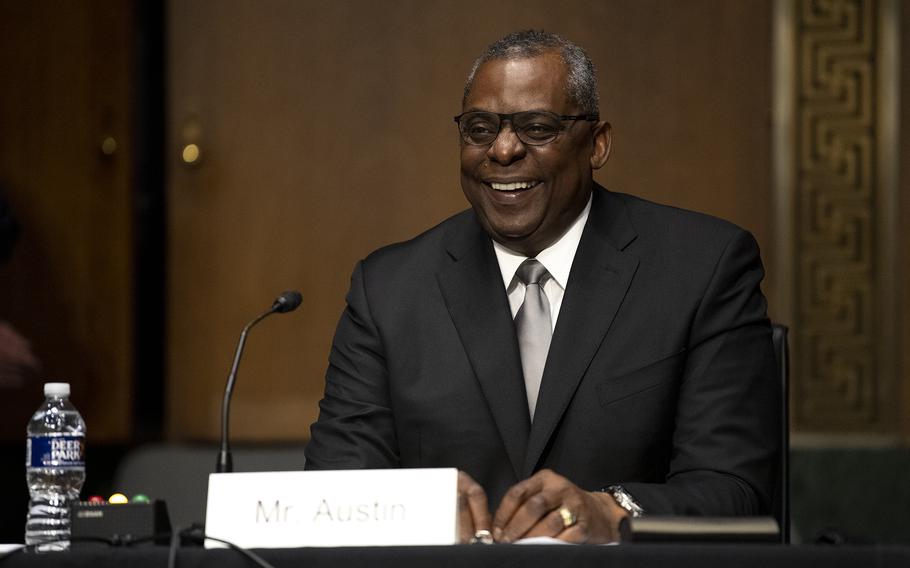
<point x="532" y="322"/>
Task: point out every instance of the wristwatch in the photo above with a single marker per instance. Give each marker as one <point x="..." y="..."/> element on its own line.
<point x="624" y="500"/>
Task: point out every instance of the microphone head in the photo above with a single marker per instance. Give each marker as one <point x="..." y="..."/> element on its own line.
<point x="287" y="302"/>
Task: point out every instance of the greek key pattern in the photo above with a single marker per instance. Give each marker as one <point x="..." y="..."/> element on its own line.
<point x="836" y="386"/>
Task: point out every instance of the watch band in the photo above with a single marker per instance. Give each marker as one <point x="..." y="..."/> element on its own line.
<point x="625" y="500"/>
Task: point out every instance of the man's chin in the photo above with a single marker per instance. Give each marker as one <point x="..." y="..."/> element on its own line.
<point x="518" y="241"/>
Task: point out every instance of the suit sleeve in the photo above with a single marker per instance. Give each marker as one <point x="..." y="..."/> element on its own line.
<point x="355" y="428"/>
<point x="726" y="437"/>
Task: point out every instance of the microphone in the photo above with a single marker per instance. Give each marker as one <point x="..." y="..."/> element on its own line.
<point x="286" y="302"/>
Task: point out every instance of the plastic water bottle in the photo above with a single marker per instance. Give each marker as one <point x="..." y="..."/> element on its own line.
<point x="55" y="468"/>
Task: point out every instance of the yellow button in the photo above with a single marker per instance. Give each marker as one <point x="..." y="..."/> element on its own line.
<point x="118" y="499"/>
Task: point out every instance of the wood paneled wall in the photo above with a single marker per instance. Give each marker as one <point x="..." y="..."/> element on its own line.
<point x="839" y="185"/>
<point x="65" y="70"/>
<point x="325" y="131"/>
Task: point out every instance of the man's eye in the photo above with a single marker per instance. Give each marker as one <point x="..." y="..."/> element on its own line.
<point x="538" y="130"/>
<point x="480" y="129"/>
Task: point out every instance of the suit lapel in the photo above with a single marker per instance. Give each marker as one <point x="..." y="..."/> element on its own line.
<point x="473" y="291"/>
<point x="600" y="277"/>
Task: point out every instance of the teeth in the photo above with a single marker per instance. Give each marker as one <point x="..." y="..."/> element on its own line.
<point x="512" y="186"/>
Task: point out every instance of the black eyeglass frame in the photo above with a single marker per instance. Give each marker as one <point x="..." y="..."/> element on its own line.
<point x="591" y="117"/>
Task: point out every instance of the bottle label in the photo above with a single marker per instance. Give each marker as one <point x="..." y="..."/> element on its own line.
<point x="55" y="451"/>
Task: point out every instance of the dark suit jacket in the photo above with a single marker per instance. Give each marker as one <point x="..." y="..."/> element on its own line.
<point x="660" y="374"/>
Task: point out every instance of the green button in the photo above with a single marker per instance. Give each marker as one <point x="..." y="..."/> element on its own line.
<point x="140" y="498"/>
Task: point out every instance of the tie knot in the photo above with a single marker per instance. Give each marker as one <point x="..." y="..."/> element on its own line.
<point x="531" y="272"/>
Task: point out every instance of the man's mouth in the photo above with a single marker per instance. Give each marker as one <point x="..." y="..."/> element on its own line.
<point x="512" y="186"/>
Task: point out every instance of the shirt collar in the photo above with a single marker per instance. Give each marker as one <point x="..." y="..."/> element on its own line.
<point x="557" y="258"/>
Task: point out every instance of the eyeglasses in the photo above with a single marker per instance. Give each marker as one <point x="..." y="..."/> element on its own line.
<point x="533" y="127"/>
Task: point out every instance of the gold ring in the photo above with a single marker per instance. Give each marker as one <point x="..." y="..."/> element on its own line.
<point x="568" y="517"/>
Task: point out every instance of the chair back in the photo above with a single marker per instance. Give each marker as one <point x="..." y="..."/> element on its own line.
<point x="781" y="498"/>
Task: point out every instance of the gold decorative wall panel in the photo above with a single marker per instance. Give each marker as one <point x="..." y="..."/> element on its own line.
<point x="839" y="383"/>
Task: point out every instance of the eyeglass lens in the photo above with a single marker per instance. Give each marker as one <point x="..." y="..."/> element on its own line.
<point x="532" y="127"/>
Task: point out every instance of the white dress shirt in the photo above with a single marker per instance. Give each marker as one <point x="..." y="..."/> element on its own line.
<point x="557" y="259"/>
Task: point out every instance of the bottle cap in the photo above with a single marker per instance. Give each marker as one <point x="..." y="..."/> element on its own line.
<point x="56" y="389"/>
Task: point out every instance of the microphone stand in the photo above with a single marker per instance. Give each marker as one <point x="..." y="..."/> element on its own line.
<point x="287" y="302"/>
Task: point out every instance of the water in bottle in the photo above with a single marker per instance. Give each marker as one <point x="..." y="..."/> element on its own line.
<point x="55" y="468"/>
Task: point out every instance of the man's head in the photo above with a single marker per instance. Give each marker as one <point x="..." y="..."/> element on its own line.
<point x="526" y="186"/>
<point x="581" y="82"/>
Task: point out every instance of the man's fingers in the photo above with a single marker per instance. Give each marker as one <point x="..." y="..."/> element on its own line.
<point x="552" y="524"/>
<point x="465" y="520"/>
<point x="576" y="534"/>
<point x="512" y="500"/>
<point x="596" y="518"/>
<point x="527" y="504"/>
<point x="527" y="516"/>
<point x="473" y="511"/>
<point x="551" y="505"/>
<point x="480" y="510"/>
<point x="548" y="504"/>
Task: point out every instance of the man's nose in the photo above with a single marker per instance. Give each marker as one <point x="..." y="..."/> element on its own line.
<point x="507" y="147"/>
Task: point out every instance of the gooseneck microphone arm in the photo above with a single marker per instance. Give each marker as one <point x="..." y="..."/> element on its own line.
<point x="286" y="302"/>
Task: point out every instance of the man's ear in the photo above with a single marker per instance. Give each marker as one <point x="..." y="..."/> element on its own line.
<point x="603" y="141"/>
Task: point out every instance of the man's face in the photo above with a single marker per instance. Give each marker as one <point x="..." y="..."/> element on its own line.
<point x="554" y="180"/>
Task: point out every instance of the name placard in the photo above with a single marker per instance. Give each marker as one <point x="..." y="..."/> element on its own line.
<point x="374" y="507"/>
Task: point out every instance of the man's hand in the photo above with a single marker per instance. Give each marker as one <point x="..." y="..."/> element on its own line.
<point x="473" y="511"/>
<point x="532" y="508"/>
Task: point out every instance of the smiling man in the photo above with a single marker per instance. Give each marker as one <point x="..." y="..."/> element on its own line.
<point x="579" y="355"/>
<point x="526" y="186"/>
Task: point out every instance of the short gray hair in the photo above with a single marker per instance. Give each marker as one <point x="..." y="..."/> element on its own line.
<point x="581" y="84"/>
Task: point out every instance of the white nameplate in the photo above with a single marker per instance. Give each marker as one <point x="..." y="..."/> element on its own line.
<point x="370" y="507"/>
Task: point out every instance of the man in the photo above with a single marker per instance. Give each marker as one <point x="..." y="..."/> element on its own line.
<point x="636" y="376"/>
